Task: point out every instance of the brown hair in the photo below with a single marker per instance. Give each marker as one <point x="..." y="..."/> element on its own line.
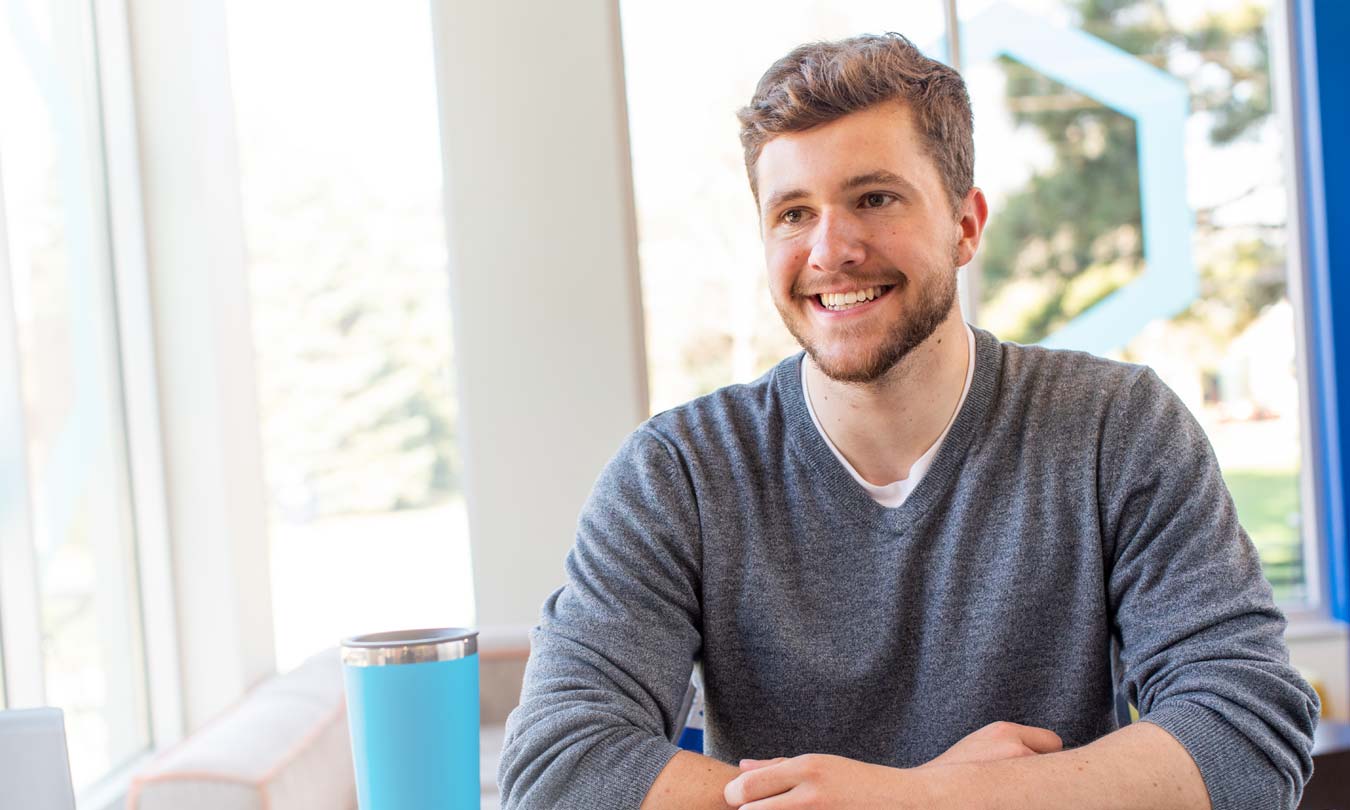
<point x="824" y="81"/>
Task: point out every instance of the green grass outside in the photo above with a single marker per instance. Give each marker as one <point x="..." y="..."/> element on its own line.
<point x="1268" y="506"/>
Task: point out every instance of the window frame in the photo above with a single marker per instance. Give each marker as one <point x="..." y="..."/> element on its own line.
<point x="1319" y="473"/>
<point x="140" y="389"/>
<point x="119" y="212"/>
<point x="21" y="665"/>
<point x="1323" y="177"/>
<point x="1316" y="610"/>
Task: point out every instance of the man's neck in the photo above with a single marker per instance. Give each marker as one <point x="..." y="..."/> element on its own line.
<point x="883" y="427"/>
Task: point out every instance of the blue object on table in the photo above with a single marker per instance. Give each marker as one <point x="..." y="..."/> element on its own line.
<point x="412" y="709"/>
<point x="691" y="716"/>
<point x="691" y="739"/>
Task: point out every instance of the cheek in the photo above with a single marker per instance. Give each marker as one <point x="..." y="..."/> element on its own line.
<point x="774" y="262"/>
<point x="785" y="260"/>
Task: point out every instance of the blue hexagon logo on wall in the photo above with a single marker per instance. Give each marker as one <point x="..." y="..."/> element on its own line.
<point x="1158" y="103"/>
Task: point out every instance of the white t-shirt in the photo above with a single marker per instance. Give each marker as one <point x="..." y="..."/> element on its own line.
<point x="893" y="494"/>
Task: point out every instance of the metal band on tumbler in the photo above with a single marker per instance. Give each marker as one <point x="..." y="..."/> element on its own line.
<point x="409" y="647"/>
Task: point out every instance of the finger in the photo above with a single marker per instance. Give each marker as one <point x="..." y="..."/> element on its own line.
<point x="1040" y="740"/>
<point x="761" y="783"/>
<point x="791" y="800"/>
<point x="752" y="764"/>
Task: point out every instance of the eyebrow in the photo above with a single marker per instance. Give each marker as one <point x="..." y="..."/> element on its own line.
<point x="880" y="178"/>
<point x="877" y="178"/>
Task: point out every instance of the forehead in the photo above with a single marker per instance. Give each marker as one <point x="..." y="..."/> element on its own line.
<point x="818" y="160"/>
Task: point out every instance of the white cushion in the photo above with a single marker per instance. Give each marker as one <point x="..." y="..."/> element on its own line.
<point x="284" y="746"/>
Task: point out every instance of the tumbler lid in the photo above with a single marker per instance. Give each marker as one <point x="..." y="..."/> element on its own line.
<point x="409" y="647"/>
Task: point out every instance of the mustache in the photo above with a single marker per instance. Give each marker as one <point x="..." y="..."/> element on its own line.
<point x="899" y="280"/>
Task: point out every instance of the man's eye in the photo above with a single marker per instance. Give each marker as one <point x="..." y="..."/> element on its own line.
<point x="876" y="199"/>
<point x="792" y="217"/>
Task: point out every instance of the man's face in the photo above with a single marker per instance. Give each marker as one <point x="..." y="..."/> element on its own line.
<point x="854" y="210"/>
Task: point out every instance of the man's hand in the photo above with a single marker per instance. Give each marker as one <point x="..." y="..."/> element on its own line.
<point x="1141" y="765"/>
<point x="1000" y="740"/>
<point x="821" y="781"/>
<point x="814" y="781"/>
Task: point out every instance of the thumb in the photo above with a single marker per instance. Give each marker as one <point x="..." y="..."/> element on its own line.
<point x="1040" y="740"/>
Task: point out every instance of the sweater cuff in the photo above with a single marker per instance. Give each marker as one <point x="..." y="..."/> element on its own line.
<point x="1224" y="756"/>
<point x="645" y="761"/>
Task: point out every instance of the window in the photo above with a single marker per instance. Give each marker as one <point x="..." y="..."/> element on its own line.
<point x="1077" y="221"/>
<point x="1140" y="211"/>
<point x="70" y="600"/>
<point x="340" y="163"/>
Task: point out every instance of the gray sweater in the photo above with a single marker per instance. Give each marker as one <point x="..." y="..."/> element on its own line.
<point x="1074" y="503"/>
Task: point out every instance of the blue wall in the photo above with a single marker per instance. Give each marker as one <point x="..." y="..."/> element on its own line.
<point x="1322" y="52"/>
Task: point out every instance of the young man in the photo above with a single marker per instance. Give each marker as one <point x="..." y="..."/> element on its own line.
<point x="903" y="558"/>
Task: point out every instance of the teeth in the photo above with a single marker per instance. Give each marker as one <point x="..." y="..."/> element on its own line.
<point x="839" y="301"/>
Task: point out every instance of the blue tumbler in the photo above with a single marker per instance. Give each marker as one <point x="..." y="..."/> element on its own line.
<point x="412" y="708"/>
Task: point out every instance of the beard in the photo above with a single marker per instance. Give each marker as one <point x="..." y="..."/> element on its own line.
<point x="933" y="305"/>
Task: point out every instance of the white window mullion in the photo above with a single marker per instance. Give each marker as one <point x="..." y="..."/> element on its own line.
<point x="1284" y="95"/>
<point x="968" y="282"/>
<point x="139" y="384"/>
<point x="20" y="632"/>
<point x="203" y="354"/>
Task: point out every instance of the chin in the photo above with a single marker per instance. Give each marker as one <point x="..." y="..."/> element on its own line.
<point x="853" y="361"/>
<point x="843" y="358"/>
<point x="852" y="368"/>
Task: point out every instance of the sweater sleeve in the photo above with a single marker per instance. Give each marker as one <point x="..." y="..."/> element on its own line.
<point x="1202" y="642"/>
<point x="611" y="657"/>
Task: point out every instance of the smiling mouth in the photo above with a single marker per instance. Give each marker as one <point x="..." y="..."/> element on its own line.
<point x="840" y="302"/>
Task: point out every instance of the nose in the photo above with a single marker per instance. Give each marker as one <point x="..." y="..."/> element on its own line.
<point x="838" y="243"/>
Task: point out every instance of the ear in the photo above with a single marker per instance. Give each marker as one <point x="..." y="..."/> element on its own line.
<point x="970" y="222"/>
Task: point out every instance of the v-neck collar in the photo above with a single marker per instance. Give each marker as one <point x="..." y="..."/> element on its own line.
<point x="855" y="501"/>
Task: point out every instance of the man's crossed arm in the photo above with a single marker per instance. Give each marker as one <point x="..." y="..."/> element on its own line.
<point x="1003" y="766"/>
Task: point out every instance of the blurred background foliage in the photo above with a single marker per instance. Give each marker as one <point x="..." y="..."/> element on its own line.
<point x="1072" y="235"/>
<point x="351" y="318"/>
